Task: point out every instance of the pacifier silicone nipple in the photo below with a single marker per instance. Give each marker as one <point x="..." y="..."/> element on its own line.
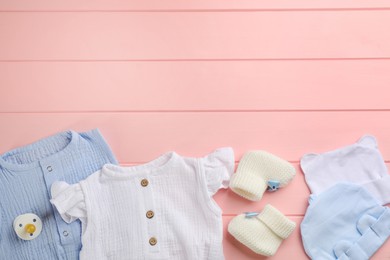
<point x="30" y="228"/>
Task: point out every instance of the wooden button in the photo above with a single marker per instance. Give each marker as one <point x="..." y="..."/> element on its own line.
<point x="152" y="241"/>
<point x="150" y="214"/>
<point x="144" y="183"/>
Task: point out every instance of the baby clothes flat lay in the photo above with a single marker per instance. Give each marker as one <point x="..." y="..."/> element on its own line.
<point x="164" y="209"/>
<point x="30" y="228"/>
<point x="348" y="187"/>
<point x="159" y="210"/>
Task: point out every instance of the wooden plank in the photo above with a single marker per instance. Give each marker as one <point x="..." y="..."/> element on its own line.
<point x="292" y="200"/>
<point x="194" y="85"/>
<point x="140" y="137"/>
<point x="291" y="248"/>
<point x="297" y="193"/>
<point x="198" y="35"/>
<point x="155" y="5"/>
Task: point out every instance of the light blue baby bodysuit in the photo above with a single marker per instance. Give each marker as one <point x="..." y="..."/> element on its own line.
<point x="26" y="175"/>
<point x="344" y="222"/>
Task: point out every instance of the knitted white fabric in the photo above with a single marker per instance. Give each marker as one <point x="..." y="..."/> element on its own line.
<point x="262" y="233"/>
<point x="160" y="210"/>
<point x="254" y="171"/>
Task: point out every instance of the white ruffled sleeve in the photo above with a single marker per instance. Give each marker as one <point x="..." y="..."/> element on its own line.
<point x="218" y="168"/>
<point x="69" y="201"/>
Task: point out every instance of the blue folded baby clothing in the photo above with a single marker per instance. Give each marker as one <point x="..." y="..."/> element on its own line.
<point x="345" y="218"/>
<point x="26" y="176"/>
<point x="344" y="222"/>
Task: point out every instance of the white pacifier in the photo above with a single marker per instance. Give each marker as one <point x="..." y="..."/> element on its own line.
<point x="28" y="226"/>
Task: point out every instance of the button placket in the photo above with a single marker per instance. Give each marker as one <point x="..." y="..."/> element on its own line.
<point x="53" y="171"/>
<point x="149" y="215"/>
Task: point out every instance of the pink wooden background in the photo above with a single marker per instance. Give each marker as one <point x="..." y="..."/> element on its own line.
<point x="288" y="77"/>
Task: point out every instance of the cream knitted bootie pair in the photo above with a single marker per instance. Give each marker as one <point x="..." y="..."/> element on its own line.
<point x="261" y="232"/>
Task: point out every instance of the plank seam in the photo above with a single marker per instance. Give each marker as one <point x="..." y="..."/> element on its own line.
<point x="197" y="111"/>
<point x="238" y="10"/>
<point x="193" y="60"/>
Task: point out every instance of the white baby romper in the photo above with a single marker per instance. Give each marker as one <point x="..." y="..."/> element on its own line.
<point x="160" y="210"/>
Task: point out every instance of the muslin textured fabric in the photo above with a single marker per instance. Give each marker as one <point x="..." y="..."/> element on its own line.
<point x="26" y="175"/>
<point x="160" y="210"/>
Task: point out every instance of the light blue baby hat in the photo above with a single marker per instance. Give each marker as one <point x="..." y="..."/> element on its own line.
<point x="344" y="222"/>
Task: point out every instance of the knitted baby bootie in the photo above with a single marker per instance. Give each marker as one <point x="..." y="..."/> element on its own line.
<point x="259" y="171"/>
<point x="261" y="232"/>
